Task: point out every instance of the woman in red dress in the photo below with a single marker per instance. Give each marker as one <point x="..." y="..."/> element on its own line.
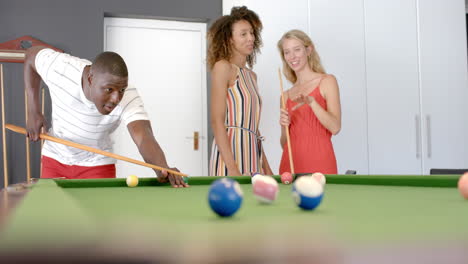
<point x="313" y="110"/>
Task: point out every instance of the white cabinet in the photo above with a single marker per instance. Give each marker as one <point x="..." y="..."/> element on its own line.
<point x="416" y="65"/>
<point x="444" y="93"/>
<point x="393" y="105"/>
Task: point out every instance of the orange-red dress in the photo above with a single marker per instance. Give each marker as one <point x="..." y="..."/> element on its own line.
<point x="312" y="149"/>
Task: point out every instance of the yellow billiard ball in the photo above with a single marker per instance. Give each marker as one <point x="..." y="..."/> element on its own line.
<point x="132" y="181"/>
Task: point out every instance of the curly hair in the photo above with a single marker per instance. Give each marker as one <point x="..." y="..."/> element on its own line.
<point x="220" y="34"/>
<point x="313" y="59"/>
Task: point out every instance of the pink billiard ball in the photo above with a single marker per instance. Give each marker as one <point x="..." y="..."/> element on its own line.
<point x="286" y="178"/>
<point x="463" y="185"/>
<point x="265" y="189"/>
<point x="320" y="178"/>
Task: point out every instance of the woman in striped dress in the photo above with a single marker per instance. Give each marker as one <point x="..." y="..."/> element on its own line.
<point x="234" y="41"/>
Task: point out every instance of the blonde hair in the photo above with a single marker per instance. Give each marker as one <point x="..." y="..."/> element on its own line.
<point x="313" y="59"/>
<point x="220" y="34"/>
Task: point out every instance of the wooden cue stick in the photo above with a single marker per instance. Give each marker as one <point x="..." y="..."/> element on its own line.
<point x="288" y="139"/>
<point x="28" y="154"/>
<point x="42" y="140"/>
<point x="5" y="164"/>
<point x="42" y="111"/>
<point x="21" y="130"/>
<point x="4" y="201"/>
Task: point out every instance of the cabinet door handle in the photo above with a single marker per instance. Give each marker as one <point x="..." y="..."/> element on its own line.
<point x="418" y="134"/>
<point x="195" y="140"/>
<point x="429" y="137"/>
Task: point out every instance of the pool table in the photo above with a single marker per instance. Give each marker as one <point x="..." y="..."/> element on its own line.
<point x="362" y="219"/>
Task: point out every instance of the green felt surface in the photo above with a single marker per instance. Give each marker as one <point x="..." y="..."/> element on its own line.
<point x="354" y="208"/>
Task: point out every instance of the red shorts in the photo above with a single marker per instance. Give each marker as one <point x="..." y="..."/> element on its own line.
<point x="54" y="169"/>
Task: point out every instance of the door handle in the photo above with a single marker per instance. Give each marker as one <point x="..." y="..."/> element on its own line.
<point x="418" y="134"/>
<point x="195" y="140"/>
<point x="429" y="137"/>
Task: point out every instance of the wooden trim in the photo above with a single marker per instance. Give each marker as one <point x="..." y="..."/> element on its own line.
<point x="42" y="140"/>
<point x="28" y="152"/>
<point x="5" y="163"/>
<point x="12" y="55"/>
<point x="14" y="50"/>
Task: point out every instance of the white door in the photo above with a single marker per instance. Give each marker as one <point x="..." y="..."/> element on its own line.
<point x="166" y="62"/>
<point x="445" y="86"/>
<point x="394" y="120"/>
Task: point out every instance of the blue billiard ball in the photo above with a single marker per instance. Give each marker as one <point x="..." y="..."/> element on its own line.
<point x="225" y="197"/>
<point x="307" y="192"/>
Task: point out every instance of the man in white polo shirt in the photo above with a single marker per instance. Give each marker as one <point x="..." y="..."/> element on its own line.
<point x="89" y="101"/>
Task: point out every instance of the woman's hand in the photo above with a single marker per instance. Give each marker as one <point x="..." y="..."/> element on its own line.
<point x="301" y="100"/>
<point x="284" y="118"/>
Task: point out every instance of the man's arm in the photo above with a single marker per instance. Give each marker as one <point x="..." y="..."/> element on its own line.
<point x="142" y="135"/>
<point x="32" y="82"/>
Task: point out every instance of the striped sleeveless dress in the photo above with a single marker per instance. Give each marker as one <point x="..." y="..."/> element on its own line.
<point x="243" y="107"/>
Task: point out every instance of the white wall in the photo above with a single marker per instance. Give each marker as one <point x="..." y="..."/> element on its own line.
<point x="443" y="71"/>
<point x="337" y="30"/>
<point x="377" y="51"/>
<point x="276" y="19"/>
<point x="341" y="47"/>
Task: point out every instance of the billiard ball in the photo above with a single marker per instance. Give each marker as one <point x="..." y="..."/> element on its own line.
<point x="225" y="197"/>
<point x="307" y="192"/>
<point x="463" y="185"/>
<point x="255" y="176"/>
<point x="132" y="181"/>
<point x="286" y="177"/>
<point x="320" y="178"/>
<point x="265" y="189"/>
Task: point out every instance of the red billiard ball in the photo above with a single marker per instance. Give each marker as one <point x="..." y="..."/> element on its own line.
<point x="463" y="185"/>
<point x="286" y="178"/>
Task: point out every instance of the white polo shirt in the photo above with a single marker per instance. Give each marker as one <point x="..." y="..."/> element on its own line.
<point x="77" y="119"/>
